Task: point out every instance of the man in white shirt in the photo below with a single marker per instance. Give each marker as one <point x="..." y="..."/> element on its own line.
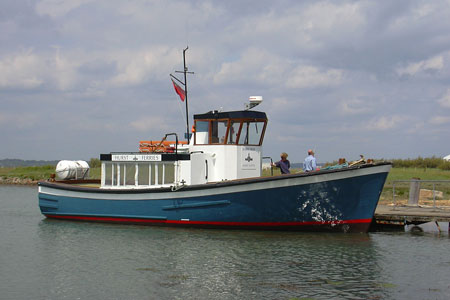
<point x="310" y="162"/>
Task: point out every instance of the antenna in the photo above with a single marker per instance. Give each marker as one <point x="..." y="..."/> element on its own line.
<point x="185" y="72"/>
<point x="253" y="101"/>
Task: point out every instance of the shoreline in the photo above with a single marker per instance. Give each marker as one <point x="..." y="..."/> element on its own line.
<point x="17" y="181"/>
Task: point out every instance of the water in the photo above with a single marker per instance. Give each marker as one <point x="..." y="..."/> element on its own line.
<point x="51" y="259"/>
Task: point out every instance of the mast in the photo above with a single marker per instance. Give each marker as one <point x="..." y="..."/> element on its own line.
<point x="185" y="72"/>
<point x="185" y="69"/>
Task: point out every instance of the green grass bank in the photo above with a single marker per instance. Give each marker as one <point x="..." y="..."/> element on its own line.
<point x="31" y="175"/>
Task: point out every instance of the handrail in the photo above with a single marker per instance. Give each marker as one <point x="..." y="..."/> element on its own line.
<point x="271" y="162"/>
<point x="418" y="181"/>
<point x="176" y="143"/>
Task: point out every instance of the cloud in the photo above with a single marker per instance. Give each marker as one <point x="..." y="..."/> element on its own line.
<point x="135" y="67"/>
<point x="279" y="104"/>
<point x="326" y="16"/>
<point x="58" y="8"/>
<point x="354" y="107"/>
<point x="265" y="68"/>
<point x="312" y="77"/>
<point x="415" y="15"/>
<point x="253" y="63"/>
<point x="435" y="63"/>
<point x="89" y="73"/>
<point x="305" y="26"/>
<point x="28" y="70"/>
<point x="19" y="121"/>
<point x="63" y="71"/>
<point x="439" y="120"/>
<point x="444" y="101"/>
<point x="364" y="69"/>
<point x="24" y="70"/>
<point x="147" y="123"/>
<point x="150" y="123"/>
<point x="385" y="122"/>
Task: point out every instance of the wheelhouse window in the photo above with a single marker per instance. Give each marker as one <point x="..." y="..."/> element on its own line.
<point x="218" y="131"/>
<point x="201" y="135"/>
<point x="233" y="132"/>
<point x="251" y="133"/>
<point x="230" y="131"/>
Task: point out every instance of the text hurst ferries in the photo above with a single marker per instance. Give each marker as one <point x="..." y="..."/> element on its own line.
<point x="215" y="181"/>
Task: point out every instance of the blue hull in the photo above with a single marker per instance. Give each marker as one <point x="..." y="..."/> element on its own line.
<point x="339" y="200"/>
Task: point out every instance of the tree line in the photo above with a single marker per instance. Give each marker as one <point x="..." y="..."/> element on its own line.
<point x="422" y="162"/>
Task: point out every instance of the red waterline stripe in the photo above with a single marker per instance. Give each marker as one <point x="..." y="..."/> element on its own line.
<point x="185" y="222"/>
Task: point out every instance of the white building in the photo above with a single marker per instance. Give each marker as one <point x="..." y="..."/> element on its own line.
<point x="447" y="158"/>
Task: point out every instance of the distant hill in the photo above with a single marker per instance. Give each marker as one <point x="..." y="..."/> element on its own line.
<point x="11" y="163"/>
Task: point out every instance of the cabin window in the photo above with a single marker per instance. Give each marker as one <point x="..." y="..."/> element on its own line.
<point x="169" y="173"/>
<point x="114" y="173"/>
<point x="233" y="133"/>
<point x="229" y="131"/>
<point x="251" y="133"/>
<point x="201" y="126"/>
<point x="108" y="174"/>
<point x="129" y="171"/>
<point x="201" y="132"/>
<point x="218" y="131"/>
<point x="144" y="175"/>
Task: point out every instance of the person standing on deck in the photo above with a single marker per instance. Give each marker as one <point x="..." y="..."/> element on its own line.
<point x="310" y="162"/>
<point x="283" y="164"/>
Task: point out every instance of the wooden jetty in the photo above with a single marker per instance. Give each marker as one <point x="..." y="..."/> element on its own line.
<point x="421" y="206"/>
<point x="389" y="216"/>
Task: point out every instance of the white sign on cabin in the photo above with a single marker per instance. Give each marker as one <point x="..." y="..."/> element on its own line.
<point x="136" y="157"/>
<point x="249" y="158"/>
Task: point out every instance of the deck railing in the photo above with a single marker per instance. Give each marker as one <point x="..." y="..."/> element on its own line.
<point x="138" y="175"/>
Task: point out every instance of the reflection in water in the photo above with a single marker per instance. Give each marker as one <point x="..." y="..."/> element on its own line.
<point x="189" y="263"/>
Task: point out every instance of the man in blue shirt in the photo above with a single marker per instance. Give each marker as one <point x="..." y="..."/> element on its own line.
<point x="310" y="162"/>
<point x="283" y="164"/>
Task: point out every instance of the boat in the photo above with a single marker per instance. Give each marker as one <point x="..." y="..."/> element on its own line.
<point x="214" y="180"/>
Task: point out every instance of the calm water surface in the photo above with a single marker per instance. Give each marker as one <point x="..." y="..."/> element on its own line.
<point x="51" y="259"/>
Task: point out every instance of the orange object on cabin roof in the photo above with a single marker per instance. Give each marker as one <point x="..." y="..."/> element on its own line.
<point x="159" y="146"/>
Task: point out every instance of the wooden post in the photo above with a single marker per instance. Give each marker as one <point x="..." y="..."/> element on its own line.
<point x="414" y="190"/>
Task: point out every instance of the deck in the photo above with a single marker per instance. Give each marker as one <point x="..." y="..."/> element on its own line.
<point x="389" y="216"/>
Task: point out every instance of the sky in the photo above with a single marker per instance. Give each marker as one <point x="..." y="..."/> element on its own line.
<point x="84" y="77"/>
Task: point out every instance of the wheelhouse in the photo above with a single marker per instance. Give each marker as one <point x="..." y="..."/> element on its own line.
<point x="245" y="128"/>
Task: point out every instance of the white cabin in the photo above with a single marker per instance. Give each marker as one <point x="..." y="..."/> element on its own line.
<point x="224" y="146"/>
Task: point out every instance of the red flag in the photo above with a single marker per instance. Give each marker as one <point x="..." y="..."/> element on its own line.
<point x="179" y="90"/>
